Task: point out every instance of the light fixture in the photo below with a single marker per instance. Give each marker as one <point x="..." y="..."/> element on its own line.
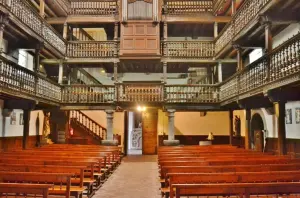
<point x="141" y="108"/>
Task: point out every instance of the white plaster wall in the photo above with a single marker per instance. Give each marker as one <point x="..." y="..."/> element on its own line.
<point x="32" y="124"/>
<point x="191" y="123"/>
<point x="286" y="34"/>
<point x="270" y="122"/>
<point x="293" y="130"/>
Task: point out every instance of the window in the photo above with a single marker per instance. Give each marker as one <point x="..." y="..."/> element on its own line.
<point x="255" y="54"/>
<point x="25" y="59"/>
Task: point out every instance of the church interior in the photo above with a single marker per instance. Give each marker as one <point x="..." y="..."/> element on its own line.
<point x="149" y="98"/>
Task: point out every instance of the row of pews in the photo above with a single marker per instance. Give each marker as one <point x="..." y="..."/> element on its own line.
<point x="57" y="170"/>
<point x="224" y="170"/>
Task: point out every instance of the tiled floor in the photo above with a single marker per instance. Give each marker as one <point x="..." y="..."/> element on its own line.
<point x="136" y="177"/>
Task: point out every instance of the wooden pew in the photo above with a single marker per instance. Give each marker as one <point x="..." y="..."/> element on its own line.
<point x="17" y="189"/>
<point x="236" y="177"/>
<point x="63" y="179"/>
<point x="237" y="189"/>
<point x="228" y="168"/>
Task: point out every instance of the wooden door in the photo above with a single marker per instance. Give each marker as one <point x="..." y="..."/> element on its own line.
<point x="149" y="125"/>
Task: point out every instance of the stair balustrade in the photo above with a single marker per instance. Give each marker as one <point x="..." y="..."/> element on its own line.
<point x="88" y="125"/>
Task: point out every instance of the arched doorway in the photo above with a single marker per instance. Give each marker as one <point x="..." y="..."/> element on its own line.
<point x="257" y="134"/>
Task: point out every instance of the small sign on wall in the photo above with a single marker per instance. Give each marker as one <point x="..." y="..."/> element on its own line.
<point x="288" y="116"/>
<point x="13" y="118"/>
<point x="297" y="115"/>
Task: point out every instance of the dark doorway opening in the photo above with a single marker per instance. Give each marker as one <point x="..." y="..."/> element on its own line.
<point x="257" y="133"/>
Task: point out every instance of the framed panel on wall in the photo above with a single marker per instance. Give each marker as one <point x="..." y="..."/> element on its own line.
<point x="288" y="116"/>
<point x="297" y="115"/>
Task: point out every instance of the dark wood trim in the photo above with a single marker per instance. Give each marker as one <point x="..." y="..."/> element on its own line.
<point x="194" y="139"/>
<point x="16" y="143"/>
<point x="292" y="146"/>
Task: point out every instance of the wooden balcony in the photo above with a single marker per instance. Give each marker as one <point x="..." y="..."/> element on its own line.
<point x="22" y="13"/>
<point x="217" y="5"/>
<point x="88" y="94"/>
<point x="18" y="81"/>
<point x="92" y="49"/>
<point x="191" y="11"/>
<point x="188" y="49"/>
<point x="93" y="7"/>
<point x="140" y="93"/>
<point x="249" y="11"/>
<point x="279" y="68"/>
<point x="192" y="94"/>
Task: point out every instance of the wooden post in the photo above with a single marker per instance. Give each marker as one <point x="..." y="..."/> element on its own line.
<point x="280" y="115"/>
<point x="239" y="58"/>
<point x="3" y="23"/>
<point x="230" y="127"/>
<point x="60" y="72"/>
<point x="220" y="75"/>
<point x="42" y="8"/>
<point x="171" y="124"/>
<point x="165" y="31"/>
<point x="165" y="71"/>
<point x="233" y="7"/>
<point x="116" y="31"/>
<point x="26" y="120"/>
<point x="115" y="72"/>
<point x="248" y="129"/>
<point x="268" y="37"/>
<point x="216" y="30"/>
<point x="65" y="31"/>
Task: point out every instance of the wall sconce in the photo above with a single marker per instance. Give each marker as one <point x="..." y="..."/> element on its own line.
<point x="141" y="108"/>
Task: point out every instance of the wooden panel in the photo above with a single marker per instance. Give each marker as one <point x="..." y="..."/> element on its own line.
<point x="15" y="143"/>
<point x="140" y="38"/>
<point x="149" y="123"/>
<point x="140" y="43"/>
<point x="128" y="44"/>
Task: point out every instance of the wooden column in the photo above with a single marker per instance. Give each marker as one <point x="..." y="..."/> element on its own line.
<point x="280" y="115"/>
<point x="165" y="31"/>
<point x="116" y="32"/>
<point x="239" y="58"/>
<point x="65" y="31"/>
<point x="3" y="23"/>
<point x="37" y="57"/>
<point x="268" y="37"/>
<point x="115" y="72"/>
<point x="233" y="7"/>
<point x="165" y="71"/>
<point x="60" y="72"/>
<point x="220" y="75"/>
<point x="230" y="127"/>
<point x="247" y="128"/>
<point x="216" y="30"/>
<point x="42" y="8"/>
<point x="26" y="121"/>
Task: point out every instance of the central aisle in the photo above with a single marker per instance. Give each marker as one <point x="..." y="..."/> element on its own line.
<point x="136" y="177"/>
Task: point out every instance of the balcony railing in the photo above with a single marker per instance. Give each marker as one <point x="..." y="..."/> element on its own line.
<point x="217" y="4"/>
<point x="28" y="16"/>
<point x="92" y="49"/>
<point x="16" y="79"/>
<point x="94" y="7"/>
<point x="65" y="5"/>
<point x="176" y="7"/>
<point x="192" y="94"/>
<point x="88" y="94"/>
<point x="282" y="62"/>
<point x="188" y="49"/>
<point x="140" y="92"/>
<point x="247" y="12"/>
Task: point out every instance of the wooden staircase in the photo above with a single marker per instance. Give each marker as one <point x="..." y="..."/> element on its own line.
<point x="85" y="129"/>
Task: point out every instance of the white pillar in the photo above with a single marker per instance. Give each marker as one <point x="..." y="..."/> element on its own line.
<point x="60" y="73"/>
<point x="165" y="65"/>
<point x="109" y="124"/>
<point x="220" y="78"/>
<point x="171" y="131"/>
<point x="216" y="30"/>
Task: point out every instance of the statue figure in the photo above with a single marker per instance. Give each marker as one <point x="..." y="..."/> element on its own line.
<point x="237" y="126"/>
<point x="46" y="129"/>
<point x="210" y="136"/>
